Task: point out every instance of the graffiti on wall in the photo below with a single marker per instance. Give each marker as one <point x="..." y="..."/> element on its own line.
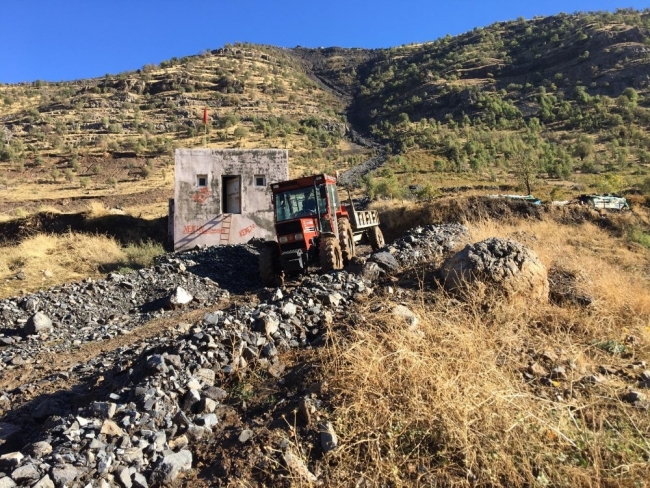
<point x="201" y="196"/>
<point x="203" y="230"/>
<point x="247" y="230"/>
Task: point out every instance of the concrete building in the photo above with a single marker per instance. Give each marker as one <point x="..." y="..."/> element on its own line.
<point x="223" y="196"/>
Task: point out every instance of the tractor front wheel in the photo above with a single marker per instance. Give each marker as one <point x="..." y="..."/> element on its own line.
<point x="346" y="238"/>
<point x="331" y="257"/>
<point x="269" y="262"/>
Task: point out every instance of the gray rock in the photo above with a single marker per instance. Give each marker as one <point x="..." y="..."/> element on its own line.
<point x="105" y="410"/>
<point x="268" y="324"/>
<point x="44" y="482"/>
<point x="192" y="397"/>
<point x="370" y="272"/>
<point x="215" y="393"/>
<point x="296" y="465"/>
<point x="386" y="261"/>
<point x="11" y="459"/>
<point x="328" y="440"/>
<point x="30" y="304"/>
<point x="179" y="298"/>
<point x="207" y="405"/>
<point x="25" y="473"/>
<point x="172" y="465"/>
<point x="289" y="309"/>
<point x="39" y="323"/>
<point x="206" y="375"/>
<point x="332" y="299"/>
<point x="245" y="435"/>
<point x="64" y="474"/>
<point x="7" y="482"/>
<point x="633" y="397"/>
<point x="157" y="363"/>
<point x="139" y="481"/>
<point x="123" y="476"/>
<point x="40" y="449"/>
<point x="208" y="420"/>
<point x="404" y="314"/>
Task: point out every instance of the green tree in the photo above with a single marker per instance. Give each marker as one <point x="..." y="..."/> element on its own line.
<point x="240" y="133"/>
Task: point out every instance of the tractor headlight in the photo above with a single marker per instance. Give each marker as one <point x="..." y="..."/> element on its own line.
<point x="283" y="239"/>
<point x="299" y="237"/>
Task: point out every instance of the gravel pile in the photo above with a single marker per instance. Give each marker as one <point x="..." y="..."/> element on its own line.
<point x="428" y="243"/>
<point x="136" y="415"/>
<point x="153" y="401"/>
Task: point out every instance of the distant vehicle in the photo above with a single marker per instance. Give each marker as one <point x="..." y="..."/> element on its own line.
<point x="313" y="226"/>
<point x="526" y="198"/>
<point x="611" y="202"/>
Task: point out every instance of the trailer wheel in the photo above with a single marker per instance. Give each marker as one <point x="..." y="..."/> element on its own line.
<point x="346" y="238"/>
<point x="269" y="262"/>
<point x="330" y="254"/>
<point x="376" y="238"/>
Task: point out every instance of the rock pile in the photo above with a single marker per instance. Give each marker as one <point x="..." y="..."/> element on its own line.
<point x="67" y="316"/>
<point x="428" y="243"/>
<point x="503" y="265"/>
<point x="161" y="396"/>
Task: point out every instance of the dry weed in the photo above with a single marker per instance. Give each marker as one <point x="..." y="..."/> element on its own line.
<point x="46" y="260"/>
<point x="453" y="403"/>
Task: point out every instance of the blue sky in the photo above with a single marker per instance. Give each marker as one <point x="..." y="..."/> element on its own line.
<point x="58" y="40"/>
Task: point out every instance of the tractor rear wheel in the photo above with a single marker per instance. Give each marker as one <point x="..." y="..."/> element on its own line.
<point x="346" y="238"/>
<point x="376" y="238"/>
<point x="270" y="268"/>
<point x="330" y="254"/>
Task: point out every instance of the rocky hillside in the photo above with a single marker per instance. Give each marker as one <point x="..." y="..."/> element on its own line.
<point x="568" y="91"/>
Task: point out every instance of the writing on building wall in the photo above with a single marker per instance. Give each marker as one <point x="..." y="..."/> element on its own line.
<point x="247" y="230"/>
<point x="201" y="196"/>
<point x="201" y="230"/>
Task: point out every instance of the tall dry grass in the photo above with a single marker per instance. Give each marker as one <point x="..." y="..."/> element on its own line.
<point x="45" y="260"/>
<point x="451" y="403"/>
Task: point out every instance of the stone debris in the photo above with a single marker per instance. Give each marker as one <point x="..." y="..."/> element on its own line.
<point x="153" y="401"/>
<point x="297" y="466"/>
<point x="164" y="394"/>
<point x="403" y="313"/>
<point x="328" y="440"/>
<point x="428" y="243"/>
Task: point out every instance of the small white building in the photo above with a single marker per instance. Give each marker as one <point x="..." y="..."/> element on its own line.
<point x="223" y="196"/>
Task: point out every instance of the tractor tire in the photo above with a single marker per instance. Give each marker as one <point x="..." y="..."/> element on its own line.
<point x="331" y="257"/>
<point x="346" y="239"/>
<point x="376" y="238"/>
<point x="269" y="262"/>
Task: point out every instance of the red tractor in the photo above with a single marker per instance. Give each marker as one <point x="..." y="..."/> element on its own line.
<point x="313" y="226"/>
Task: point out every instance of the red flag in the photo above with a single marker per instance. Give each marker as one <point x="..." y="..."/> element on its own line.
<point x="205" y="115"/>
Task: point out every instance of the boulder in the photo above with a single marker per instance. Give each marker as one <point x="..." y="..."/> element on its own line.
<point x="179" y="298"/>
<point x="39" y="323"/>
<point x="386" y="261"/>
<point x="497" y="265"/>
<point x="171" y="466"/>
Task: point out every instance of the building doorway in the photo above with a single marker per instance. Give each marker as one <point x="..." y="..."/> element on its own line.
<point x="231" y="198"/>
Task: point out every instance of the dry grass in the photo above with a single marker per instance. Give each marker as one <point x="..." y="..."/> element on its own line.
<point x="448" y="404"/>
<point x="47" y="260"/>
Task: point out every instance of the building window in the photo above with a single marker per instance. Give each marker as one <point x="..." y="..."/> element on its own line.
<point x="201" y="180"/>
<point x="260" y="180"/>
